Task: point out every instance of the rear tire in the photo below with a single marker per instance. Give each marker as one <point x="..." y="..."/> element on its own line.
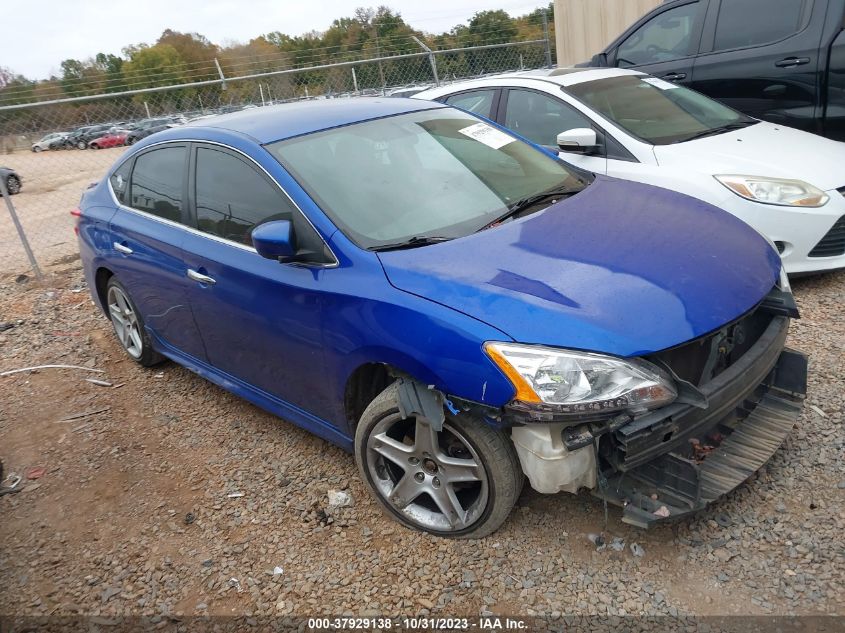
<point x="80" y="145"/>
<point x="461" y="482"/>
<point x="128" y="325"/>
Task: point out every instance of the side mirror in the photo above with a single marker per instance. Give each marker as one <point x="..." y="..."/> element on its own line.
<point x="274" y="240"/>
<point x="581" y="140"/>
<point x="599" y="60"/>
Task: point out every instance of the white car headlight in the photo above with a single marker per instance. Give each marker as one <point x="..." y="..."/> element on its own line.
<point x="581" y="382"/>
<point x="779" y="191"/>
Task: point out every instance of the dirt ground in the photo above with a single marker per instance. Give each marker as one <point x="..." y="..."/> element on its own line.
<point x="53" y="182"/>
<point x="139" y="508"/>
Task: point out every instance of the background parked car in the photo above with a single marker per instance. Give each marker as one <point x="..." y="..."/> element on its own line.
<point x="55" y="140"/>
<point x="80" y="137"/>
<point x="12" y="179"/>
<point x="785" y="183"/>
<point x="114" y="138"/>
<point x="778" y="60"/>
<point x="149" y="126"/>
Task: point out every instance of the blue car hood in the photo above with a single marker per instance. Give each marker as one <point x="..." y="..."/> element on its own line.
<point x="621" y="268"/>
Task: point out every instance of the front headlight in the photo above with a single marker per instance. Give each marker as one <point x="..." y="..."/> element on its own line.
<point x="581" y="382"/>
<point x="779" y="191"/>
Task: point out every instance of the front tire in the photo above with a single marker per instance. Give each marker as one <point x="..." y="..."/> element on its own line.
<point x="36" y="149"/>
<point x="129" y="325"/>
<point x="461" y="482"/>
<point x="80" y="145"/>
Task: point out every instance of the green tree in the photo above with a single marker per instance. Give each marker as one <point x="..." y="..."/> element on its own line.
<point x="153" y="66"/>
<point x="491" y="27"/>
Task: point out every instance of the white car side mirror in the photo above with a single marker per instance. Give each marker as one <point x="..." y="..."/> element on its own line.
<point x="579" y="139"/>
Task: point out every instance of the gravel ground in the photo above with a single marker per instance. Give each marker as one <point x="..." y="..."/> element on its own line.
<point x="135" y="514"/>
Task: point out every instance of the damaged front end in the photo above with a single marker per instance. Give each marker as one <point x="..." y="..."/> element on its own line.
<point x="739" y="394"/>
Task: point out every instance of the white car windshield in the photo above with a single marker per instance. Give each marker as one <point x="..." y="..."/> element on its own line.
<point x="657" y="111"/>
<point x="435" y="174"/>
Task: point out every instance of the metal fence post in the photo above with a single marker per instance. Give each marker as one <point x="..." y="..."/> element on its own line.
<point x="431" y="59"/>
<point x="546" y="37"/>
<point x="222" y="76"/>
<point x="11" y="207"/>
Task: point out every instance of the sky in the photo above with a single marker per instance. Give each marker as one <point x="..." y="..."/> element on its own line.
<point x="45" y="32"/>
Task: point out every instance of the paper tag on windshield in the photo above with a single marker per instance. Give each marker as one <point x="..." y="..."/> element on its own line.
<point x="659" y="83"/>
<point x="487" y="134"/>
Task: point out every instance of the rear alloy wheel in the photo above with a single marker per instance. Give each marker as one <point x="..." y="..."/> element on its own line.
<point x="13" y="185"/>
<point x="36" y="149"/>
<point x="460" y="482"/>
<point x="80" y="145"/>
<point x="129" y="326"/>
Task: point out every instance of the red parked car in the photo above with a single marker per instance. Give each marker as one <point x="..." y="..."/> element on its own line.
<point x="110" y="139"/>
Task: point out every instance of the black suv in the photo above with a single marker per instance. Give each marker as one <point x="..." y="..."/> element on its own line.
<point x="79" y="138"/>
<point x="778" y="60"/>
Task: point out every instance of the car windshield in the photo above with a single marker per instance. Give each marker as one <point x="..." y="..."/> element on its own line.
<point x="657" y="111"/>
<point x="431" y="174"/>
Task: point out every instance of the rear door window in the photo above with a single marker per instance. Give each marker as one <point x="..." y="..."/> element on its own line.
<point x="158" y="182"/>
<point x="744" y="23"/>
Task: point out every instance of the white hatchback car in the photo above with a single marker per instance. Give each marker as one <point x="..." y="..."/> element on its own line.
<point x="788" y="184"/>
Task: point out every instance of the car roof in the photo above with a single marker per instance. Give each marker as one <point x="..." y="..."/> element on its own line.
<point x="277" y="122"/>
<point x="560" y="76"/>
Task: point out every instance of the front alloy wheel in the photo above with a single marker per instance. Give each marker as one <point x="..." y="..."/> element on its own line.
<point x="460" y="482"/>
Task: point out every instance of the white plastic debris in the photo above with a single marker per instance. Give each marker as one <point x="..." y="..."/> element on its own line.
<point x="235" y="495"/>
<point x="617" y="544"/>
<point x="278" y="571"/>
<point x="636" y="550"/>
<point x="818" y="410"/>
<point x="339" y="499"/>
<point x="99" y="383"/>
<point x="662" y="511"/>
<point x="37" y="367"/>
<point x="234" y="582"/>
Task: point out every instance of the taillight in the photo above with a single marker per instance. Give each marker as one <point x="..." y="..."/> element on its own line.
<point x="77" y="213"/>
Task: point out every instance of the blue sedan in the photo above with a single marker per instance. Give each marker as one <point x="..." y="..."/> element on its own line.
<point x="453" y="305"/>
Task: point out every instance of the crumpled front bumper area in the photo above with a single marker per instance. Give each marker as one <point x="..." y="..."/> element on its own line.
<point x="676" y="461"/>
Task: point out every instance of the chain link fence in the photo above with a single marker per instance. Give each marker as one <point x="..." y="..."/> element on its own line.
<point x="52" y="150"/>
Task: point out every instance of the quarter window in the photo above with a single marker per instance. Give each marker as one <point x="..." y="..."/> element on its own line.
<point x="120" y="181"/>
<point x="232" y="198"/>
<point x="754" y="22"/>
<point x="157" y="183"/>
<point x="664" y="38"/>
<point x="540" y="118"/>
<point x="476" y="101"/>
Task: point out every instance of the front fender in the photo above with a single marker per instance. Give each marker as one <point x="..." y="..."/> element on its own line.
<point x="366" y="322"/>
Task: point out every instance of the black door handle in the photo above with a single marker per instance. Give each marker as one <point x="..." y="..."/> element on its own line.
<point x="791" y="62"/>
<point x="675" y="76"/>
